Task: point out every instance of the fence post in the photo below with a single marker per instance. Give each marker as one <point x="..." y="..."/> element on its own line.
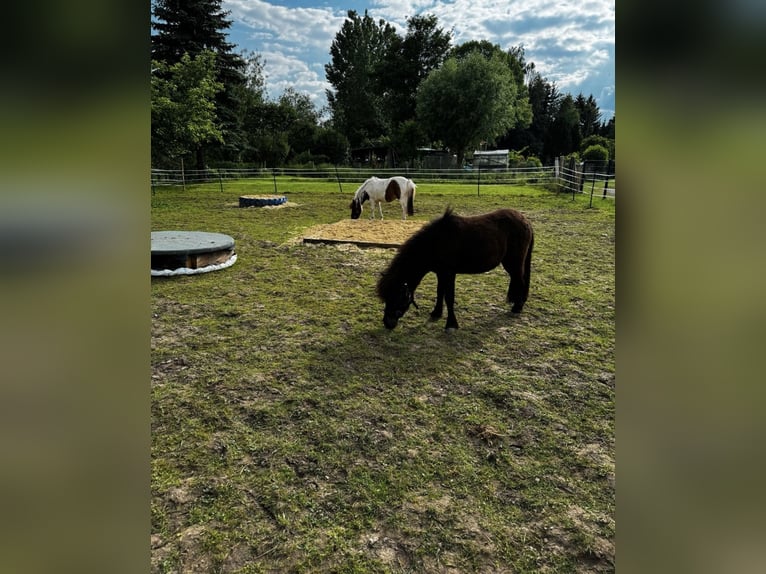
<point x="478" y="179"/>
<point x="337" y="176"/>
<point x="274" y="177"/>
<point x="572" y="165"/>
<point x="592" y="185"/>
<point x="220" y="180"/>
<point x="183" y="176"/>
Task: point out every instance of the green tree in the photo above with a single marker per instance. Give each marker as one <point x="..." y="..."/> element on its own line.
<point x="358" y="48"/>
<point x="331" y="144"/>
<point x="267" y="124"/>
<point x="192" y="27"/>
<point x="469" y="100"/>
<point x="408" y="62"/>
<point x="597" y="140"/>
<point x="301" y="120"/>
<point x="589" y="115"/>
<point x="183" y="107"/>
<point x="406" y="139"/>
<point x="514" y="59"/>
<point x="544" y="99"/>
<point x="563" y="136"/>
<point x="251" y="96"/>
<point x="607" y="130"/>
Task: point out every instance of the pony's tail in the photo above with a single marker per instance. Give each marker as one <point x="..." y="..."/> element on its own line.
<point x="528" y="266"/>
<point x="410" y="200"/>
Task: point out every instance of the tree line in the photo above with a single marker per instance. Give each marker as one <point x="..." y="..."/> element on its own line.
<point x="399" y="92"/>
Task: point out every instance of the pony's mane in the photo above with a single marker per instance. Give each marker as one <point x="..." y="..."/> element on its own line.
<point x="396" y="273"/>
<point x="362" y="188"/>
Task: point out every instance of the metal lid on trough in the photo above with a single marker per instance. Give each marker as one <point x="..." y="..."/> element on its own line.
<point x="190" y="252"/>
<point x="175" y="242"/>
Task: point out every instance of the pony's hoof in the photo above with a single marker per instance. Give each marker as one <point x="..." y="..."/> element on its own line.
<point x="517" y="308"/>
<point x="450" y="329"/>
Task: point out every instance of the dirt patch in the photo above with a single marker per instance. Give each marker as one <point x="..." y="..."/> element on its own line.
<point x="366" y="233"/>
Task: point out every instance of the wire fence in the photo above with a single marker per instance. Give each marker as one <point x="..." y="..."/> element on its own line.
<point x="574" y="178"/>
<point x="506" y="176"/>
<point x="593" y="183"/>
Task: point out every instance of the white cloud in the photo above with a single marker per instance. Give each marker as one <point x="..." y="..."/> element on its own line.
<point x="571" y="43"/>
<point x="311" y="28"/>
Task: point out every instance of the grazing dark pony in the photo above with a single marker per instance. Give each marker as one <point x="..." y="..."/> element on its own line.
<point x="453" y="244"/>
<point x="379" y="190"/>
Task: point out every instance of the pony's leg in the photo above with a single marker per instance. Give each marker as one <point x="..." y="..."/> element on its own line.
<point x="438" y="307"/>
<point x="372" y="209"/>
<point x="517" y="288"/>
<point x="380" y="208"/>
<point x="449" y="297"/>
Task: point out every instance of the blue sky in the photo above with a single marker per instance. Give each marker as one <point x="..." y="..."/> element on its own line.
<point x="570" y="42"/>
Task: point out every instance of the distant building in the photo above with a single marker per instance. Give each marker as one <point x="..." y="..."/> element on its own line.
<point x="494" y="159"/>
<point x="371" y="156"/>
<point x="430" y="158"/>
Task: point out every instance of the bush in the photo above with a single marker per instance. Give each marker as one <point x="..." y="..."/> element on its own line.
<point x="596" y="153"/>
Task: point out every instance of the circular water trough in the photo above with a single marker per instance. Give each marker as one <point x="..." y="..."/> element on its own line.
<point x="190" y="252"/>
<point x="261" y="200"/>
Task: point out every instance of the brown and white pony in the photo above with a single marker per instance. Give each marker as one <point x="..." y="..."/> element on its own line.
<point x="379" y="190"/>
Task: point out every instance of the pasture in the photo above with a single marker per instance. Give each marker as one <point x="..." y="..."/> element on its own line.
<point x="291" y="432"/>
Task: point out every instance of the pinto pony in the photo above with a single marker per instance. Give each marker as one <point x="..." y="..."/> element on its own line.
<point x="379" y="190"/>
<point x="453" y="244"/>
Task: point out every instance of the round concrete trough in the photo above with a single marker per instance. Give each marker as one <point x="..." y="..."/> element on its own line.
<point x="189" y="252"/>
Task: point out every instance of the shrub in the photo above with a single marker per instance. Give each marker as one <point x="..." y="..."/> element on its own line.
<point x="596" y="153"/>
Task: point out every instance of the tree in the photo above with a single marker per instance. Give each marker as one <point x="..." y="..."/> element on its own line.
<point x="596" y="140"/>
<point x="408" y="62"/>
<point x="331" y="144"/>
<point x="563" y="136"/>
<point x="406" y="139"/>
<point x="301" y="120"/>
<point x="192" y="27"/>
<point x="589" y="115"/>
<point x="469" y="100"/>
<point x="356" y="51"/>
<point x="607" y="130"/>
<point x="251" y="96"/>
<point x="183" y="107"/>
<point x="544" y="99"/>
<point x="518" y="67"/>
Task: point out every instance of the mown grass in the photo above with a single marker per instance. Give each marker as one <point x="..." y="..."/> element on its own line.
<point x="293" y="433"/>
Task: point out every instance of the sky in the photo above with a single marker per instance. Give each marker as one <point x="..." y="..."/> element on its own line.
<point x="571" y="43"/>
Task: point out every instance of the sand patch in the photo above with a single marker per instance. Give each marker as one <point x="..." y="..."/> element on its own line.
<point x="364" y="232"/>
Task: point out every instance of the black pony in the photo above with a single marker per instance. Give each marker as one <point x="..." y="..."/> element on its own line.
<point x="453" y="244"/>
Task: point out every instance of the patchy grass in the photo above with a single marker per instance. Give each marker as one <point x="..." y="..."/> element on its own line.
<point x="292" y="432"/>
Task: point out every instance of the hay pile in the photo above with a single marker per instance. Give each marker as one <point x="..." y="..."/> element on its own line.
<point x="364" y="232"/>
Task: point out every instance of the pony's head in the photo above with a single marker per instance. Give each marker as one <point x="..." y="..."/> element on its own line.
<point x="398" y="300"/>
<point x="356" y="208"/>
<point x="356" y="204"/>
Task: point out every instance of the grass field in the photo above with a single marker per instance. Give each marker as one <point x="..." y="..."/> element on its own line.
<point x="292" y="433"/>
